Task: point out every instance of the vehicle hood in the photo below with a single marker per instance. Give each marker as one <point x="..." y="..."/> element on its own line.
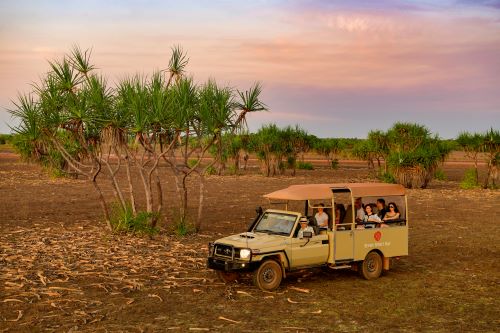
<point x="253" y="240"/>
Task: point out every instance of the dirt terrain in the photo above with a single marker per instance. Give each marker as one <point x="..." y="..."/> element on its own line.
<point x="61" y="271"/>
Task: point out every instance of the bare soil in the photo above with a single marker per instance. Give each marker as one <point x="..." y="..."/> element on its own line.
<point x="61" y="271"/>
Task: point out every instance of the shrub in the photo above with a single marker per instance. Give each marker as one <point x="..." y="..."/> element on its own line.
<point x="192" y="163"/>
<point x="233" y="170"/>
<point x="387" y="177"/>
<point x="5" y="139"/>
<point x="305" y="166"/>
<point x="123" y="220"/>
<point x="470" y="180"/>
<point x="182" y="227"/>
<point x="335" y="164"/>
<point x="211" y="171"/>
<point x="440" y="175"/>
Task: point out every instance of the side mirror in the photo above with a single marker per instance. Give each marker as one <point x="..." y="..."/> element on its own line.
<point x="259" y="210"/>
<point x="307" y="234"/>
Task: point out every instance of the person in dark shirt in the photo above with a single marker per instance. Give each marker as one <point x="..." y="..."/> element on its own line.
<point x="381" y="208"/>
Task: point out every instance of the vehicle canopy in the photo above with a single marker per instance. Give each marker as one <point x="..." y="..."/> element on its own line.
<point x="325" y="191"/>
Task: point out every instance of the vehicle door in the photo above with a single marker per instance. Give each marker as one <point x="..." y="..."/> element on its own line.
<point x="309" y="252"/>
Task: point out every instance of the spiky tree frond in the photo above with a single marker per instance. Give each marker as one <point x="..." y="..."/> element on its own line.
<point x="80" y="60"/>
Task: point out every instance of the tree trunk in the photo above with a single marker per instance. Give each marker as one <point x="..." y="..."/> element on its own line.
<point x="200" y="202"/>
<point x="103" y="204"/>
<point x="147" y="190"/>
<point x="116" y="188"/>
<point x="130" y="186"/>
<point x="159" y="189"/>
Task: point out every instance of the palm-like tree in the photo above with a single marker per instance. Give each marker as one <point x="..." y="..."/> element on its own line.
<point x="249" y="102"/>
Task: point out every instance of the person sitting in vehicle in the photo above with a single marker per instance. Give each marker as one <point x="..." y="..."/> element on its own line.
<point x="339" y="213"/>
<point x="382" y="209"/>
<point x="304" y="226"/>
<point x="393" y="213"/>
<point x="321" y="217"/>
<point x="360" y="213"/>
<point x="370" y="216"/>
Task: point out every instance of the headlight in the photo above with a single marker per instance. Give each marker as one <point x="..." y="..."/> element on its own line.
<point x="211" y="248"/>
<point x="245" y="253"/>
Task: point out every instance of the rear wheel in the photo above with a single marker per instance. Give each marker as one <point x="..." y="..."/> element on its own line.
<point x="227" y="277"/>
<point x="268" y="276"/>
<point x="371" y="267"/>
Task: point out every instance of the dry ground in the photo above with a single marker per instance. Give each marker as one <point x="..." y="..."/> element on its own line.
<point x="61" y="271"/>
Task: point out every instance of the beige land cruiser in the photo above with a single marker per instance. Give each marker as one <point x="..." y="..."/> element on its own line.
<point x="272" y="247"/>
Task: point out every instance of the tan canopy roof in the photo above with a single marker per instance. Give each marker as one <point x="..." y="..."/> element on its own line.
<point x="324" y="191"/>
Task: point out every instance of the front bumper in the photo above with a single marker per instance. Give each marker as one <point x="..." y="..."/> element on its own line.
<point x="221" y="264"/>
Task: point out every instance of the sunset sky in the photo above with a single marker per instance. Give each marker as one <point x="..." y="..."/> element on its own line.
<point x="336" y="68"/>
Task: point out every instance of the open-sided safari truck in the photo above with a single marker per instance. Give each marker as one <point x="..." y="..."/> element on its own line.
<point x="271" y="247"/>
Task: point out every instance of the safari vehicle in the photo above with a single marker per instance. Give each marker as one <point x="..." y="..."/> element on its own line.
<point x="271" y="248"/>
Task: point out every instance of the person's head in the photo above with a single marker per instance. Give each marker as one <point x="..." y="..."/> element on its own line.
<point x="357" y="203"/>
<point x="303" y="222"/>
<point x="393" y="208"/>
<point x="321" y="207"/>
<point x="380" y="203"/>
<point x="368" y="209"/>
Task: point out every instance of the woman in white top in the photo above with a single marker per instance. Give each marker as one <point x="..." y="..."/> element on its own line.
<point x="321" y="217"/>
<point x="370" y="216"/>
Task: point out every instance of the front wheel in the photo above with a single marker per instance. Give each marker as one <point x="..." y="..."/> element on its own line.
<point x="371" y="267"/>
<point x="268" y="276"/>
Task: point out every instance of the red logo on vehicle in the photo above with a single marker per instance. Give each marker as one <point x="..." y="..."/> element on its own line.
<point x="377" y="236"/>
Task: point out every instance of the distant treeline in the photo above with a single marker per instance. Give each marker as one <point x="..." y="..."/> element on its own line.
<point x="74" y="123"/>
<point x="5" y="138"/>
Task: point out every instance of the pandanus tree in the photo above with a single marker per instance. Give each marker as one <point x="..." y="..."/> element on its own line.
<point x="330" y="148"/>
<point x="414" y="155"/>
<point x="142" y="123"/>
<point x="411" y="153"/>
<point x="488" y="143"/>
<point x="492" y="149"/>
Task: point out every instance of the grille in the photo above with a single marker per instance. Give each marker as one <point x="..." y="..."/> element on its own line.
<point x="222" y="250"/>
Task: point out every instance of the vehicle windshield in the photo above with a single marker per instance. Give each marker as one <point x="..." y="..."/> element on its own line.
<point x="276" y="223"/>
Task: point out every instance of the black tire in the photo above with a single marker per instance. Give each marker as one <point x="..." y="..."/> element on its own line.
<point x="268" y="276"/>
<point x="371" y="267"/>
<point x="228" y="277"/>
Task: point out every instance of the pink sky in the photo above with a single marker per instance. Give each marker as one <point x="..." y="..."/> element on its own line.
<point x="336" y="70"/>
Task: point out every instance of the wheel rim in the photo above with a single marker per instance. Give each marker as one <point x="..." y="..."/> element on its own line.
<point x="371" y="265"/>
<point x="268" y="275"/>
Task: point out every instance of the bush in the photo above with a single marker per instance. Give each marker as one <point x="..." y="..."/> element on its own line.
<point x="335" y="164"/>
<point x="182" y="227"/>
<point x="192" y="163"/>
<point x="123" y="220"/>
<point x="211" y="171"/>
<point x="387" y="177"/>
<point x="233" y="169"/>
<point x="5" y="138"/>
<point x="305" y="166"/>
<point x="440" y="175"/>
<point x="470" y="180"/>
